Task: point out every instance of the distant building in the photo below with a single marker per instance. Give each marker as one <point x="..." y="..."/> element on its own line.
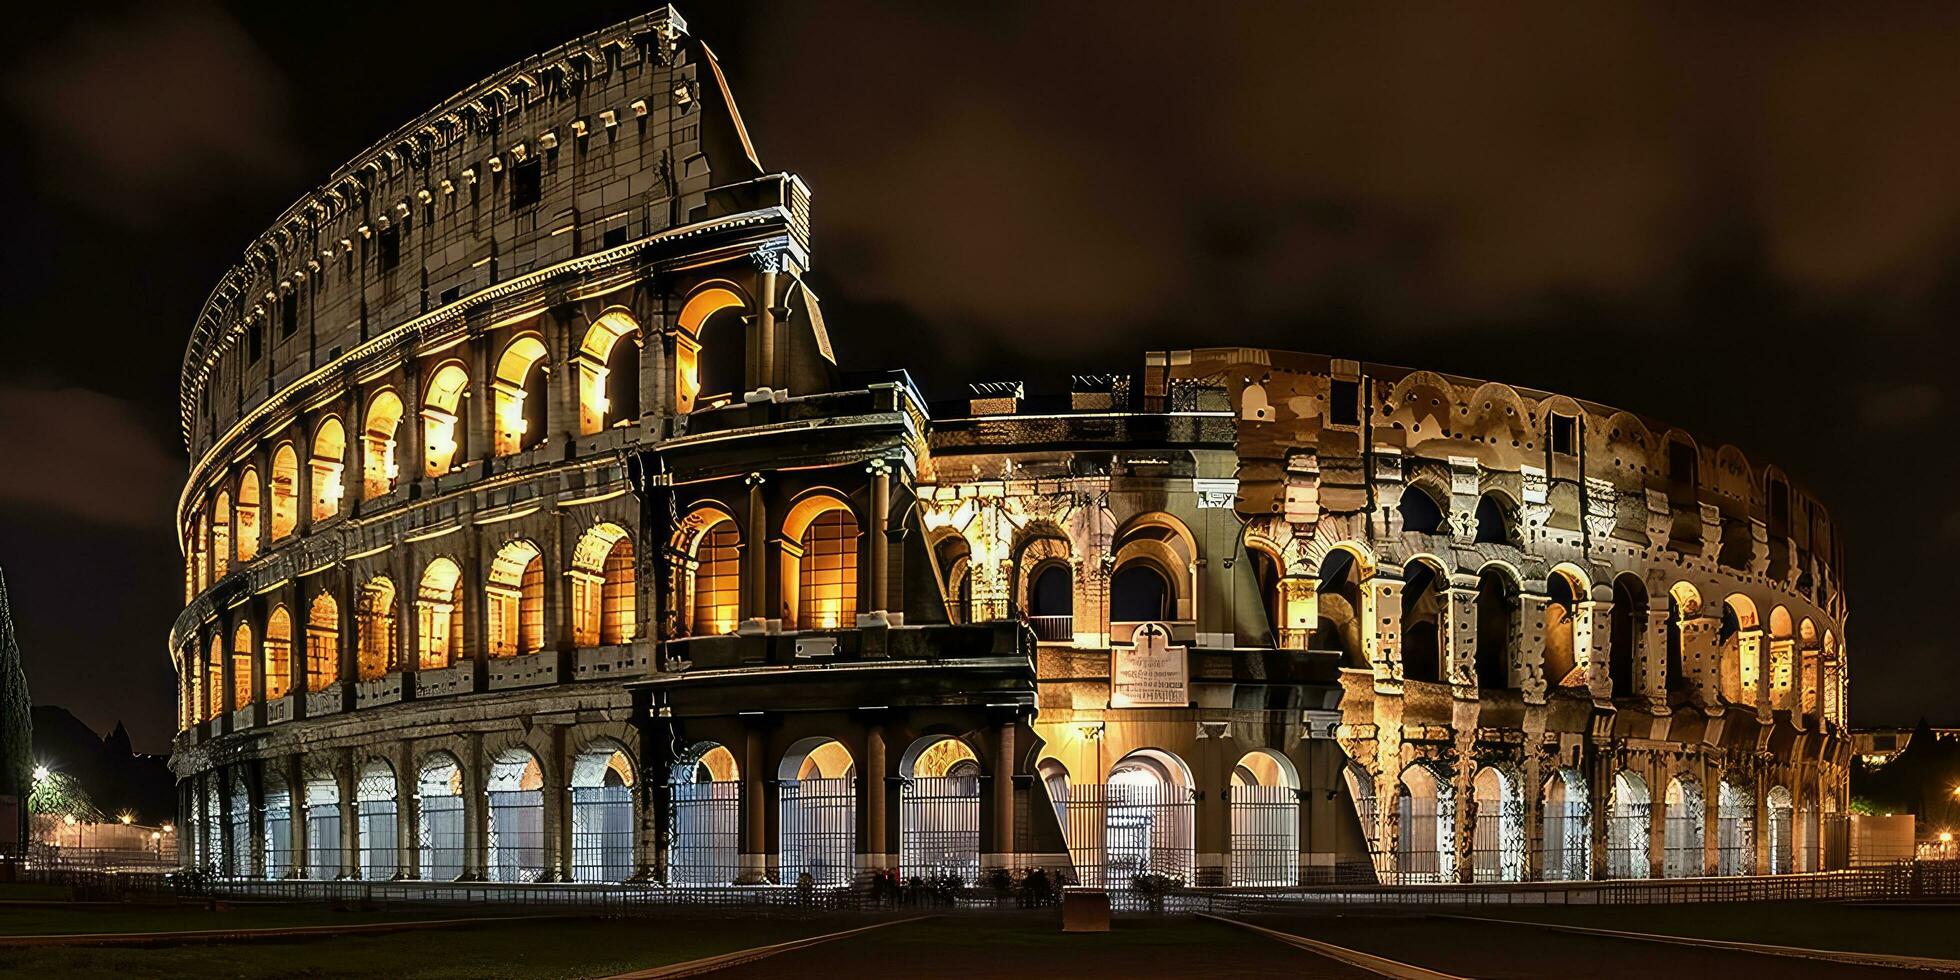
<point x="533" y="534"/>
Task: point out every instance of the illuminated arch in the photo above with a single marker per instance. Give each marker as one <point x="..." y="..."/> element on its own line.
<point x="278" y="655"/>
<point x="285" y="491"/>
<point x="688" y="343"/>
<point x="711" y="583"/>
<point x="515" y="593"/>
<point x="439" y="614"/>
<point x="247" y="522"/>
<point x="602" y="587"/>
<point x="378" y="468"/>
<point x="322" y="642"/>
<point x="1153" y="544"/>
<point x="328" y="461"/>
<point x="442" y="408"/>
<point x="608" y="364"/>
<point x="819" y="574"/>
<point x="220" y="534"/>
<point x="521" y="406"/>
<point x="241" y="667"/>
<point x="375" y="649"/>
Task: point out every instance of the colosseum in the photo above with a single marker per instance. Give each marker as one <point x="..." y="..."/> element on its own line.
<point x="533" y="534"/>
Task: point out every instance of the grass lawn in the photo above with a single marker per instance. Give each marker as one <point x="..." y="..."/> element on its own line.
<point x="1814" y="925"/>
<point x="541" y="949"/>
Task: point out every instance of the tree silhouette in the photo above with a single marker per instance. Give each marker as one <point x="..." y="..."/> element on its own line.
<point x="16" y="721"/>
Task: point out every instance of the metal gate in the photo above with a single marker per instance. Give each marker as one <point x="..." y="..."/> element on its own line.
<point x="1566" y="853"/>
<point x="1117" y="832"/>
<point x="1265" y="835"/>
<point x="1424" y="851"/>
<point x="516" y="835"/>
<point x="278" y="830"/>
<point x="705" y="846"/>
<point x="602" y="833"/>
<point x="441" y="838"/>
<point x="939" y="827"/>
<point x="819" y="831"/>
<point x="240" y="850"/>
<point x="214" y="830"/>
<point x="1735" y="838"/>
<point x="1683" y="842"/>
<point x="1498" y="842"/>
<point x="323" y="840"/>
<point x="1629" y="828"/>
<point x="380" y="840"/>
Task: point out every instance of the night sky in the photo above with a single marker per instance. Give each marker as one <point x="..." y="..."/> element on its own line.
<point x="1741" y="220"/>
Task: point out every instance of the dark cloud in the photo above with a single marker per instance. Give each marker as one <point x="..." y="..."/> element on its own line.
<point x="92" y="458"/>
<point x="140" y="114"/>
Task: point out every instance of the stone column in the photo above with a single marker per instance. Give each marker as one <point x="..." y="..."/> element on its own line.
<point x="1457" y="633"/>
<point x="296" y="789"/>
<point x="557" y="807"/>
<point x="1002" y="842"/>
<point x="1700" y="661"/>
<point x="754" y="577"/>
<point x="1211" y="811"/>
<point x="755" y="813"/>
<point x="1657" y="818"/>
<point x="769" y="266"/>
<point x="878" y="853"/>
<point x="1527" y="663"/>
<point x="1381" y="630"/>
<point x="476" y="812"/>
<point x="873" y="612"/>
<point x="408" y="813"/>
<point x="225" y="677"/>
<point x="350" y="815"/>
<point x="1651" y="657"/>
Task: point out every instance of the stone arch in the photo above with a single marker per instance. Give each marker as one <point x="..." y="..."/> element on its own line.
<point x="328" y="460"/>
<point x="1425" y="847"/>
<point x="705" y="361"/>
<point x="603" y="586"/>
<point x="1152" y="544"/>
<point x="285" y="491"/>
<point x="820" y="574"/>
<point x="939" y="809"/>
<point x="818" y="800"/>
<point x="443" y="433"/>
<point x="1422" y="397"/>
<point x="1265" y="820"/>
<point x="515" y="785"/>
<point x="1782" y="851"/>
<point x="1147" y="826"/>
<point x="1421" y="510"/>
<point x="1342" y="575"/>
<point x="1497" y="414"/>
<point x="375" y="804"/>
<point x="608" y="364"/>
<point x="324" y="851"/>
<point x="1735" y="829"/>
<point x="376" y="640"/>
<point x="1497" y="519"/>
<point x="1498" y="832"/>
<point x="514" y="591"/>
<point x="520" y="414"/>
<point x="705" y="846"/>
<point x="1566" y="840"/>
<point x="278" y="654"/>
<point x="1568" y="620"/>
<point x="379" y="470"/>
<point x="1498" y="629"/>
<point x="711" y="578"/>
<point x="439" y="613"/>
<point x="602" y="781"/>
<point x="322" y="641"/>
<point x="439" y="792"/>
<point x="247" y="514"/>
<point x="1629" y="827"/>
<point x="952" y="559"/>
<point x="1424" y="597"/>
<point x="1684" y="819"/>
<point x="242" y="662"/>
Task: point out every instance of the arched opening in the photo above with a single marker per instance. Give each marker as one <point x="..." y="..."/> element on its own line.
<point x="939" y="810"/>
<point x="1265" y="803"/>
<point x="1629" y="828"/>
<point x="374" y="630"/>
<point x="1147" y="826"/>
<point x="1139" y="593"/>
<point x="1735" y="830"/>
<point x="278" y="826"/>
<point x="1339" y="626"/>
<point x="442" y="410"/>
<point x="241" y="667"/>
<point x="519" y="393"/>
<point x="1051" y="602"/>
<point x="285" y="491"/>
<point x="1563" y="595"/>
<point x="516" y="789"/>
<point x="379" y="470"/>
<point x="1566" y="850"/>
<point x="322" y="643"/>
<point x="278" y="657"/>
<point x="211" y="823"/>
<point x="818" y="811"/>
<point x="1782" y="661"/>
<point x="705" y="848"/>
<point x="439" y="614"/>
<point x="515" y="597"/>
<point x="214" y="680"/>
<point x="1150" y="580"/>
<point x="440" y="835"/>
<point x="1495" y="525"/>
<point x="374" y="810"/>
<point x="1810" y="843"/>
<point x="221" y="535"/>
<point x="1676" y="673"/>
<point x="1683" y="824"/>
<point x="1054" y="779"/>
<point x="1419" y="512"/>
<point x="1422" y="622"/>
<point x="720" y="360"/>
<point x="953" y="556"/>
<point x="329" y="459"/>
<point x="1425" y="851"/>
<point x="715" y="585"/>
<point x="248" y="514"/>
<point x="1737" y="647"/>
<point x="608" y="365"/>
<point x="821" y="570"/>
<point x="1497" y="622"/>
<point x="602" y="586"/>
<point x="1497" y="840"/>
<point x="1629" y="622"/>
<point x="1781" y="839"/>
<point x="602" y="814"/>
<point x="324" y="856"/>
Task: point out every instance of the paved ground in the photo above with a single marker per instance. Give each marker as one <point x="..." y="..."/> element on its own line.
<point x="1504" y="952"/>
<point x="1016" y="946"/>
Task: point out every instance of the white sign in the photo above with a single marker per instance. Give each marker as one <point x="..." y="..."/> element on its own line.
<point x="1151" y="673"/>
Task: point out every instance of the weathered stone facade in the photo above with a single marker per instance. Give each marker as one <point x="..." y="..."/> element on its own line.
<point x="532" y="534"/>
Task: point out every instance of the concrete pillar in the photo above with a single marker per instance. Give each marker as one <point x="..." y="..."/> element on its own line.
<point x="557" y="807"/>
<point x="1651" y="662"/>
<point x="755" y="611"/>
<point x="1002" y="842"/>
<point x="296" y="786"/>
<point x="1657" y="819"/>
<point x="764" y="371"/>
<point x="880" y="595"/>
<point x="1212" y="814"/>
<point x="408" y="813"/>
<point x="350" y="815"/>
<point x="1457" y="633"/>
<point x="476" y="812"/>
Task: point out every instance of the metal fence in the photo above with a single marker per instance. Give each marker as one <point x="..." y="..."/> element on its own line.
<point x="1735" y="842"/>
<point x="1682" y="857"/>
<point x="379" y="840"/>
<point x="1265" y="835"/>
<point x="1497" y="841"/>
<point x="440" y="837"/>
<point x="516" y="835"/>
<point x="939" y="827"/>
<point x="1424" y="852"/>
<point x="705" y="847"/>
<point x="278" y="836"/>
<point x="602" y="833"/>
<point x="323" y="841"/>
<point x="1780" y="840"/>
<point x="1119" y="831"/>
<point x="1052" y="629"/>
<point x="1565" y="851"/>
<point x="819" y="830"/>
